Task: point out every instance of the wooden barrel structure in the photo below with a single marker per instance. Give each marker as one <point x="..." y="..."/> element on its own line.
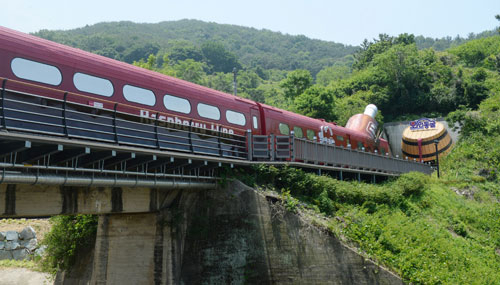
<point x="419" y="144"/>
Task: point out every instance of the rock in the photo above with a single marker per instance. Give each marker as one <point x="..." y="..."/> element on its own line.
<point x="27" y="233"/>
<point x="32" y="244"/>
<point x="12" y="245"/>
<point x="20" y="254"/>
<point x="41" y="250"/>
<point x="467" y="192"/>
<point x="12" y="236"/>
<point x="2" y="236"/>
<point x="4" y="254"/>
<point x="2" y="245"/>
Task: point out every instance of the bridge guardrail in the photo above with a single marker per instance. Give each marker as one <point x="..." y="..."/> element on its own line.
<point x="59" y="117"/>
<point x="294" y="149"/>
<point x="26" y="112"/>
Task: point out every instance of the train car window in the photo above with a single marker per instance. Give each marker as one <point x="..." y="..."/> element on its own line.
<point x="208" y="111"/>
<point x="340" y="138"/>
<point x="298" y="132"/>
<point x="310" y="134"/>
<point x="176" y="104"/>
<point x="284" y="129"/>
<point x="36" y="71"/>
<point x="139" y="95"/>
<point x="93" y="84"/>
<point x="255" y="122"/>
<point x="236" y="118"/>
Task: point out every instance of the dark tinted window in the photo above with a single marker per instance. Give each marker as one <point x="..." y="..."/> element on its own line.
<point x="284" y="129"/>
<point x="310" y="134"/>
<point x="298" y="132"/>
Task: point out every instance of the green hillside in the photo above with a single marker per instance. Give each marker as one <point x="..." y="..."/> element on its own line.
<point x="131" y="42"/>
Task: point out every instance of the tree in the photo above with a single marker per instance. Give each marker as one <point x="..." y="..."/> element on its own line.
<point x="475" y="88"/>
<point x="332" y="73"/>
<point x="149" y="64"/>
<point x="220" y="81"/>
<point x="316" y="102"/>
<point x="139" y="52"/>
<point x="248" y="80"/>
<point x="218" y="58"/>
<point x="190" y="70"/>
<point x="183" y="50"/>
<point x="369" y="50"/>
<point x="296" y="82"/>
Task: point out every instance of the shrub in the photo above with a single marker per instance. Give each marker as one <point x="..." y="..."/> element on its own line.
<point x="413" y="183"/>
<point x="326" y="205"/>
<point x="68" y="235"/>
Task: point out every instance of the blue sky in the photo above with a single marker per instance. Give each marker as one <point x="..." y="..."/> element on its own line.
<point x="347" y="22"/>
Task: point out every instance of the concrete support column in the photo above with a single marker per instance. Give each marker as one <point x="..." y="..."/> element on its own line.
<point x="125" y="249"/>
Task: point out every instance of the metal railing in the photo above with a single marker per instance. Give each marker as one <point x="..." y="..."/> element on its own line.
<point x="26" y="112"/>
<point x="33" y="113"/>
<point x="289" y="148"/>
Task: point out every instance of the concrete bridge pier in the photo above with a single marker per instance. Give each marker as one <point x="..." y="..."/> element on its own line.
<point x="234" y="235"/>
<point x="125" y="249"/>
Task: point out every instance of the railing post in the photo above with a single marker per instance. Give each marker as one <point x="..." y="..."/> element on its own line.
<point x="220" y="144"/>
<point x="65" y="123"/>
<point x="271" y="151"/>
<point x="4" y="122"/>
<point x="114" y="122"/>
<point x="156" y="131"/>
<point x="250" y="144"/>
<point x="316" y="158"/>
<point x="292" y="146"/>
<point x="191" y="148"/>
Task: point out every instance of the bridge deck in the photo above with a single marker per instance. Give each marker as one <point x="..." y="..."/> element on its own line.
<point x="38" y="159"/>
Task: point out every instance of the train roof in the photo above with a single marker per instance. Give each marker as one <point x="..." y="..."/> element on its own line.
<point x="18" y="41"/>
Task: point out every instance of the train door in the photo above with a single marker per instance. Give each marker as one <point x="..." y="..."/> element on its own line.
<point x="257" y="125"/>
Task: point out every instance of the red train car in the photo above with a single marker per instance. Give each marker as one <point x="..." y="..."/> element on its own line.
<point x="36" y="66"/>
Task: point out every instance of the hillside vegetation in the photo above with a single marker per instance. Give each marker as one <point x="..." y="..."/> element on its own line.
<point x="418" y="226"/>
<point x="131" y="42"/>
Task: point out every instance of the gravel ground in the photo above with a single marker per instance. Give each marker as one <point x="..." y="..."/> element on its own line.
<point x="22" y="276"/>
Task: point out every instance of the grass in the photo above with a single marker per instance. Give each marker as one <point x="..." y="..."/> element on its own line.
<point x="418" y="226"/>
<point x="28" y="264"/>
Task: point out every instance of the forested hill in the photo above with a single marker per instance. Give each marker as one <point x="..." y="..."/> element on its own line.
<point x="127" y="41"/>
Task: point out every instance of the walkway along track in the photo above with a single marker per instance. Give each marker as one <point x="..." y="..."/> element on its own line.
<point x="57" y="142"/>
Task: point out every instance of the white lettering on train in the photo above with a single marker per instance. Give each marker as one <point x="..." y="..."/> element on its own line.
<point x="176" y="120"/>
